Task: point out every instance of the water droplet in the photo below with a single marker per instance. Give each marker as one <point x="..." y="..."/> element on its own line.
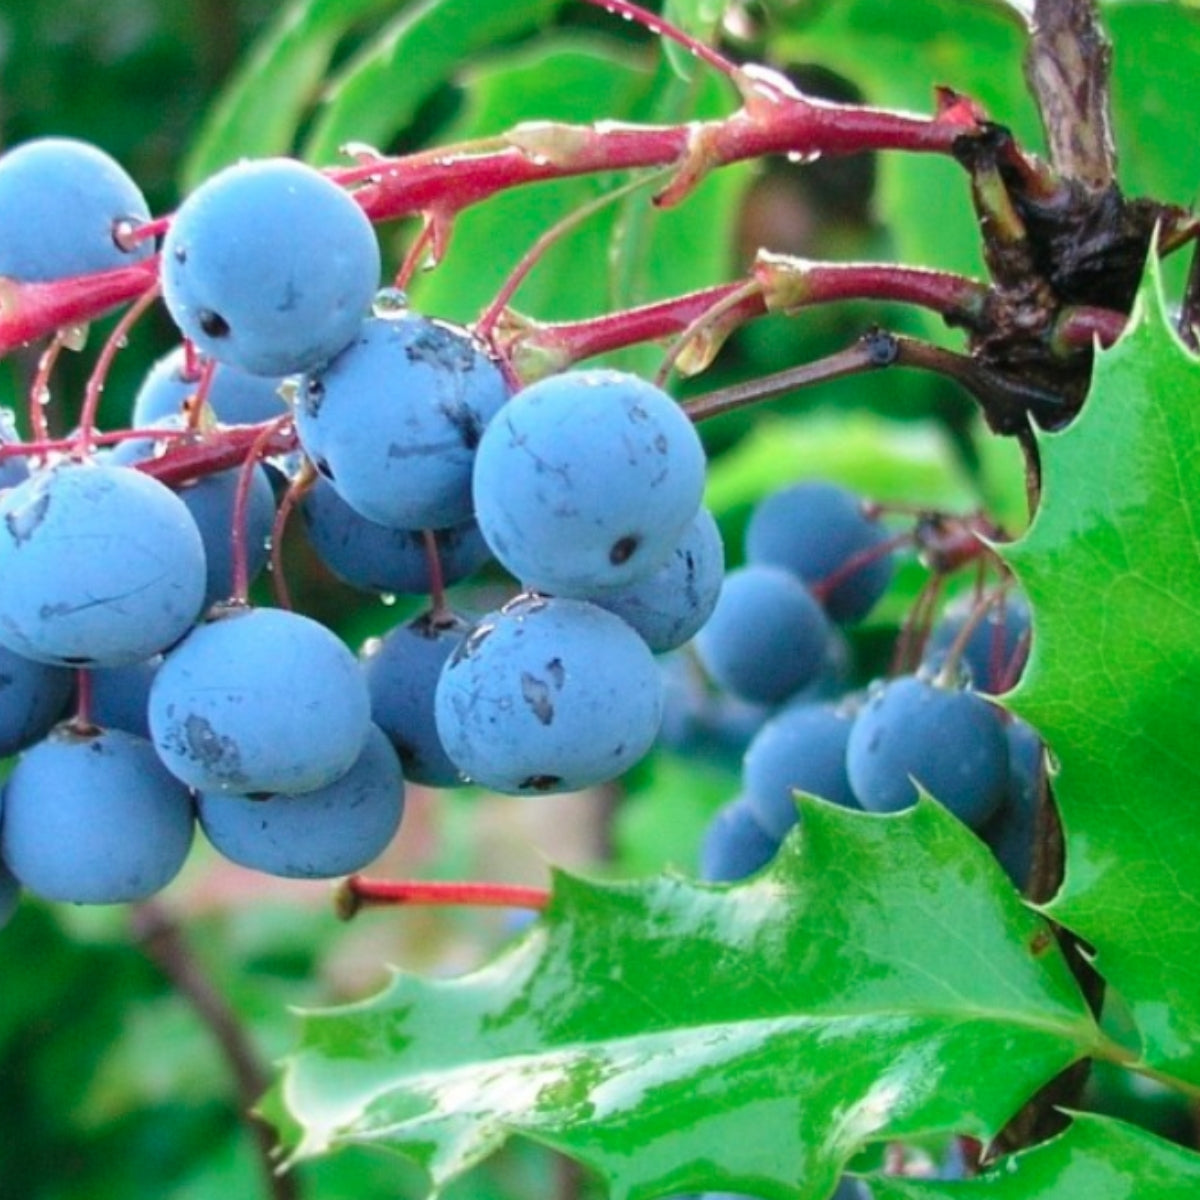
<point x="42" y="396"/>
<point x="124" y="233"/>
<point x="803" y="158"/>
<point x="387" y="599"/>
<point x="390" y="302"/>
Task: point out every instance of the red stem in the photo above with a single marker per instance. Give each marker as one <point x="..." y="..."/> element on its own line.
<point x="218" y="451"/>
<point x="796" y="283"/>
<point x="95" y="384"/>
<point x="358" y="892"/>
<point x="437" y="578"/>
<point x="82" y="721"/>
<point x="774" y="120"/>
<point x="448" y="183"/>
<point x="29" y="311"/>
<point x="568" y="342"/>
<point x="241" y="502"/>
<point x="631" y="12"/>
<point x="1082" y="327"/>
<point x="39" y="391"/>
<point x="303" y="480"/>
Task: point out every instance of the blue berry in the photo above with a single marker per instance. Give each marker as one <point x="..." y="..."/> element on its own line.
<point x="100" y="565"/>
<point x="377" y="558"/>
<point x="950" y="742"/>
<point x="735" y="844"/>
<point x="996" y="648"/>
<point x="121" y="696"/>
<point x="62" y="203"/>
<point x="700" y="720"/>
<point x="334" y="830"/>
<point x="10" y="895"/>
<point x="1011" y="831"/>
<point x="548" y="695"/>
<point x="235" y="397"/>
<point x="802" y="749"/>
<point x="211" y="500"/>
<point x="94" y="819"/>
<point x="767" y="637"/>
<point x="394" y="421"/>
<point x="402" y="671"/>
<point x="259" y="700"/>
<point x="669" y="606"/>
<point x="587" y="480"/>
<point x="14" y="469"/>
<point x="33" y="699"/>
<point x="270" y="267"/>
<point x="814" y="530"/>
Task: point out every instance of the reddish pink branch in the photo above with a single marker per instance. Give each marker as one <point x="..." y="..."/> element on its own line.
<point x="786" y="284"/>
<point x="555" y="346"/>
<point x="632" y="12"/>
<point x="241" y="504"/>
<point x="358" y="892"/>
<point x="774" y="121"/>
<point x="791" y="283"/>
<point x="220" y="450"/>
<point x="29" y="311"/>
<point x="1082" y="327"/>
<point x="95" y="384"/>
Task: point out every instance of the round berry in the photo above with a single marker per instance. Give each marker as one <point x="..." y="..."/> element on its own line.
<point x="270" y="267"/>
<point x="62" y="205"/>
<point x="587" y="480"/>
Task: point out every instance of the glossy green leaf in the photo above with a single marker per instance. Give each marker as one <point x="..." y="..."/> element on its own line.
<point x="1095" y="1159"/>
<point x="1111" y="564"/>
<point x="553" y="81"/>
<point x="700" y="19"/>
<point x="261" y="108"/>
<point x="881" y="979"/>
<point x="1155" y="97"/>
<point x="377" y="93"/>
<point x="897" y="54"/>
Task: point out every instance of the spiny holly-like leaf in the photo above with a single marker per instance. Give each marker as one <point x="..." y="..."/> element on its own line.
<point x="880" y="980"/>
<point x="1111" y="565"/>
<point x="1095" y="1159"/>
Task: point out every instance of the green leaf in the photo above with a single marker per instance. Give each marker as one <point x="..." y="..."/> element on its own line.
<point x="1096" y="1158"/>
<point x="1155" y="96"/>
<point x="261" y="108"/>
<point x="553" y="81"/>
<point x="378" y="92"/>
<point x="700" y="19"/>
<point x="880" y="980"/>
<point x="896" y="54"/>
<point x="1111" y="564"/>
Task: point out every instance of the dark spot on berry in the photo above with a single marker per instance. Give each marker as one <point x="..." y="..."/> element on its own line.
<point x="77" y="661"/>
<point x="466" y="422"/>
<point x="180" y="254"/>
<point x="536" y="695"/>
<point x="212" y="323"/>
<point x="540" y="783"/>
<point x="312" y="395"/>
<point x="324" y="468"/>
<point x="622" y="550"/>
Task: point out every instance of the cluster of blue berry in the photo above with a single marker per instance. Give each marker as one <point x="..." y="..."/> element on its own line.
<point x="193" y="705"/>
<point x="818" y="559"/>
